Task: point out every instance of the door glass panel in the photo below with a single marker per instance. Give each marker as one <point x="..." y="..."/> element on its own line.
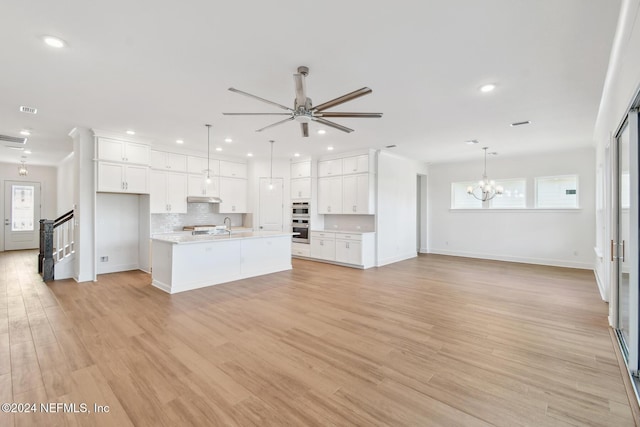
<point x="22" y="208"/>
<point x="624" y="222"/>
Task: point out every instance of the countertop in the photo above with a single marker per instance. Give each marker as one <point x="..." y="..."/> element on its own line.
<point x="344" y="231"/>
<point x="182" y="238"/>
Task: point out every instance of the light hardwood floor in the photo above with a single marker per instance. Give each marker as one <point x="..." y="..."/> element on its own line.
<point x="431" y="341"/>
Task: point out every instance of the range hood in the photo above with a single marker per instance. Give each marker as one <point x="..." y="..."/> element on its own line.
<point x="198" y="199"/>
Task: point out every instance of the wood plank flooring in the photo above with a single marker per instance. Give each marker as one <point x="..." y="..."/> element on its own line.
<point x="433" y="341"/>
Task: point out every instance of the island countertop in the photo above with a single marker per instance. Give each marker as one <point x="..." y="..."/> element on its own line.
<point x="186" y="238"/>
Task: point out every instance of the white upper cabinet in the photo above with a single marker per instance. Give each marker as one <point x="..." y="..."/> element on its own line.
<point x="123" y="151"/>
<point x="301" y="169"/>
<point x="330" y="195"/>
<point x="329" y="167"/>
<point x="198" y="186"/>
<point x="356" y="194"/>
<point x="199" y="165"/>
<point x="123" y="178"/>
<point x="233" y="193"/>
<point x="168" y="192"/>
<point x="355" y="164"/>
<point x="168" y="161"/>
<point x="301" y="188"/>
<point x="233" y="169"/>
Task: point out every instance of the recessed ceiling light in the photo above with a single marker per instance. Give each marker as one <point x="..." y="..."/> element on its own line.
<point x="131" y="132"/>
<point x="487" y="88"/>
<point x="526" y="122"/>
<point x="321" y="131"/>
<point x="27" y="151"/>
<point x="179" y="141"/>
<point x="329" y="148"/>
<point x="249" y="154"/>
<point x="54" y="42"/>
<point x="25" y="132"/>
<point x="296" y="155"/>
<point x="228" y="140"/>
<point x="218" y="148"/>
<point x="472" y="141"/>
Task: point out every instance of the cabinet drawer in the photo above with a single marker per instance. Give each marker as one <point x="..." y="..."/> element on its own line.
<point x="301" y="250"/>
<point x="323" y="235"/>
<point x="348" y="236"/>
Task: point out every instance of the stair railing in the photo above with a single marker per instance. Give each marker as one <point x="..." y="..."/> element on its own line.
<point x="59" y="231"/>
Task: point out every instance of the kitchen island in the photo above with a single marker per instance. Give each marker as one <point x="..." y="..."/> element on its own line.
<point x="183" y="262"/>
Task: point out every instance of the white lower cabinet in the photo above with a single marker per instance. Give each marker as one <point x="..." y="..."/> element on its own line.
<point x="123" y="178"/>
<point x="350" y="249"/>
<point x="301" y="249"/>
<point x="168" y="192"/>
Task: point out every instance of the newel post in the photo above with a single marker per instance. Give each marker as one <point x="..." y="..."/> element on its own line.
<point x="46" y="236"/>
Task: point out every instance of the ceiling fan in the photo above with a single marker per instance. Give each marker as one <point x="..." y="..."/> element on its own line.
<point x="303" y="110"/>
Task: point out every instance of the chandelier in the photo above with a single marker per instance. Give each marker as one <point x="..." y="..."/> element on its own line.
<point x="22" y="169"/>
<point x="485" y="189"/>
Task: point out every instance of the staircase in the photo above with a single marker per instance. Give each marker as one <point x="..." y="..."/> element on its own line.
<point x="57" y="247"/>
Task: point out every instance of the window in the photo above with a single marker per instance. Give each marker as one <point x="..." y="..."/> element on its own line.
<point x="557" y="192"/>
<point x="22" y="208"/>
<point x="460" y="199"/>
<point x="514" y="195"/>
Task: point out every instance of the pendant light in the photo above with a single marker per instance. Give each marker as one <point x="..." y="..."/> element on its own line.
<point x="485" y="189"/>
<point x="271" y="172"/>
<point x="208" y="177"/>
<point x="22" y="169"/>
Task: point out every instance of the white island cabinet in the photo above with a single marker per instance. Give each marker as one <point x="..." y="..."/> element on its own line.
<point x="182" y="262"/>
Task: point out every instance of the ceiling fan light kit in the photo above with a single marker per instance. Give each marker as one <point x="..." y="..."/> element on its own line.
<point x="303" y="110"/>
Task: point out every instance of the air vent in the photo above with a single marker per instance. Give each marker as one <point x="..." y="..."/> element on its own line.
<point x="391" y="146"/>
<point x="14" y="139"/>
<point x="28" y="110"/>
<point x="526" y="122"/>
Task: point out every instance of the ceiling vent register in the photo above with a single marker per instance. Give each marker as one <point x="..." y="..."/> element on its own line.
<point x="13" y="139"/>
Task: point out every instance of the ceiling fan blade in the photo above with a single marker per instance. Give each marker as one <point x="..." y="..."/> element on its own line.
<point x="259" y="99"/>
<point x="274" y="124"/>
<point x="332" y="124"/>
<point x="301" y="90"/>
<point x="344" y="98"/>
<point x="256" y="114"/>
<point x="340" y="114"/>
<point x="305" y="129"/>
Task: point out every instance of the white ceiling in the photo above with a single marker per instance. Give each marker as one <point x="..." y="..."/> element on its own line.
<point x="163" y="68"/>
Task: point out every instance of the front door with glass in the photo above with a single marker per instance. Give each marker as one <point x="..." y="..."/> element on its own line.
<point x="22" y="215"/>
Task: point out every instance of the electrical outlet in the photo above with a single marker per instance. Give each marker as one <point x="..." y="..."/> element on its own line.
<point x="104" y="259"/>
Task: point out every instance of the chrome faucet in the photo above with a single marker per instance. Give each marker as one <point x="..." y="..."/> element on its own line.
<point x="228" y="226"/>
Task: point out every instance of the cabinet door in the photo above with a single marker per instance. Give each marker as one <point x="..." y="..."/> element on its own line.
<point x="176" y="162"/>
<point x="233" y="169"/>
<point x="158" y="192"/>
<point x="355" y="164"/>
<point x="355" y="194"/>
<point x="301" y="188"/>
<point x="323" y="249"/>
<point x="330" y="167"/>
<point x="158" y="159"/>
<point x="137" y="179"/>
<point x="212" y="189"/>
<point x="137" y="153"/>
<point x="177" y="192"/>
<point x="110" y="149"/>
<point x="233" y="192"/>
<point x="301" y="170"/>
<point x="196" y="165"/>
<point x="110" y="177"/>
<point x="349" y="252"/>
<point x="330" y="195"/>
<point x="195" y="185"/>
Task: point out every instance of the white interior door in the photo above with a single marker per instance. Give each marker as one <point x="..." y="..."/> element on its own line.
<point x="21" y="215"/>
<point x="271" y="204"/>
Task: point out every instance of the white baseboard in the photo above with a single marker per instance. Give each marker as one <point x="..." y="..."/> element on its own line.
<point x="600" y="286"/>
<point x="396" y="258"/>
<point x="525" y="260"/>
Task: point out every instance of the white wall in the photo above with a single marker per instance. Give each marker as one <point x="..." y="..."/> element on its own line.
<point x="396" y="207"/>
<point x="550" y="237"/>
<point x="65" y="185"/>
<point x="45" y="175"/>
<point x="117" y="232"/>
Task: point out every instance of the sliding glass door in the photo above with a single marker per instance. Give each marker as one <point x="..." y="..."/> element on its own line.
<point x="624" y="246"/>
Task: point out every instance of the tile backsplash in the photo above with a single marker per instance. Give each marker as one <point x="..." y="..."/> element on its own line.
<point x="197" y="214"/>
